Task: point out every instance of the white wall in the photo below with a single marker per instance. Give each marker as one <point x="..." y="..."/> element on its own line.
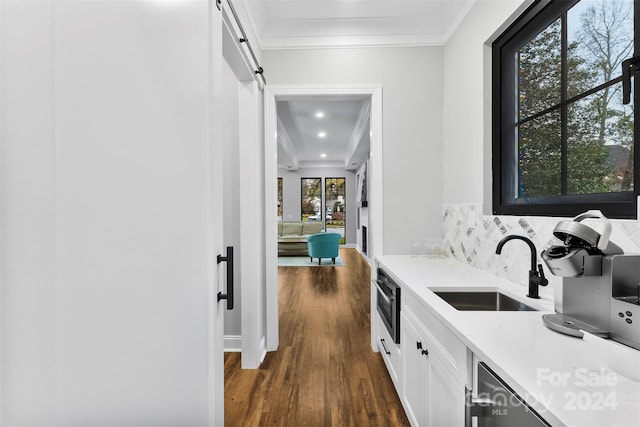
<point x="291" y="204"/>
<point x="467" y="103"/>
<point x="231" y="193"/>
<point x="411" y="80"/>
<point x="252" y="218"/>
<point x="291" y="192"/>
<point x="363" y="213"/>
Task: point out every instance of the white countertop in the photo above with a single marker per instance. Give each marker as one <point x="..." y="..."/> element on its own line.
<point x="569" y="381"/>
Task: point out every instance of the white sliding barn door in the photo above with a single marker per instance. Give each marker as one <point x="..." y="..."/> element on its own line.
<point x="110" y="213"/>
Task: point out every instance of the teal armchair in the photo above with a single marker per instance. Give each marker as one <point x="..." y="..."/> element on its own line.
<point x="323" y="245"/>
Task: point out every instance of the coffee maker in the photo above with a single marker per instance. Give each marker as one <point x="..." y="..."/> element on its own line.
<point x="600" y="283"/>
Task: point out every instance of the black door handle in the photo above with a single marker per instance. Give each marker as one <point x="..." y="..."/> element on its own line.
<point x="229" y="260"/>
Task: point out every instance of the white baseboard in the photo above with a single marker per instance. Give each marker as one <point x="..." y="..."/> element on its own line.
<point x="348" y="245"/>
<point x="232" y="343"/>
<point x="263" y="349"/>
<point x="366" y="258"/>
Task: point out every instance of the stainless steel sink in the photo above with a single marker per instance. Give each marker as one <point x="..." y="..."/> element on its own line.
<point x="482" y="301"/>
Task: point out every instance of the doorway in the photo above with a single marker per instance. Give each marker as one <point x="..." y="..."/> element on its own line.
<point x="322" y="143"/>
<point x="274" y="94"/>
<point x="242" y="196"/>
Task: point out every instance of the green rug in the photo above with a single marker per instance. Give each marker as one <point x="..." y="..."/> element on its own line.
<point x="297" y="261"/>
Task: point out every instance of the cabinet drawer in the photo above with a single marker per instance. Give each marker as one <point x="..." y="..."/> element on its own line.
<point x="390" y="352"/>
<point x="451" y="351"/>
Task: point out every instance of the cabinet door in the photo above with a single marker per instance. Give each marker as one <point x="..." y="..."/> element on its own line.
<point x="390" y="353"/>
<point x="446" y="404"/>
<point x="415" y="374"/>
<point x="431" y="395"/>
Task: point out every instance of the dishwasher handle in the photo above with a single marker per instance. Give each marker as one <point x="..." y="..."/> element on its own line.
<point x="497" y="405"/>
<point x="475" y="407"/>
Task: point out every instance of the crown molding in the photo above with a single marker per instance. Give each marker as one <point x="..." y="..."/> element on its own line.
<point x="373" y="29"/>
<point x="351" y="42"/>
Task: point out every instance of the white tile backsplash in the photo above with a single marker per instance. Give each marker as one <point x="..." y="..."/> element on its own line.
<point x="472" y="238"/>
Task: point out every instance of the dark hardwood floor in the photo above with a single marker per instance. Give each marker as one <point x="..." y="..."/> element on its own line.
<point x="324" y="372"/>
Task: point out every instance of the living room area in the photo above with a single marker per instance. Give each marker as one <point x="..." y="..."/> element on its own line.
<point x="323" y="151"/>
<point x="320" y="201"/>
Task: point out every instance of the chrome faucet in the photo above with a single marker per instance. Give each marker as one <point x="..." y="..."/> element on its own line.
<point x="536" y="276"/>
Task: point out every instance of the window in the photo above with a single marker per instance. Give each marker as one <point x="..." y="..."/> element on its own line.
<point x="311" y="195"/>
<point x="563" y="140"/>
<point x="280" y="199"/>
<point x="335" y="193"/>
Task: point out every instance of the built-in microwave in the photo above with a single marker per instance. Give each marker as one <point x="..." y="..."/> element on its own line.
<point x="388" y="296"/>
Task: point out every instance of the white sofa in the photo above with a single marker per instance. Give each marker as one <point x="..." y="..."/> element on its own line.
<point x="292" y="236"/>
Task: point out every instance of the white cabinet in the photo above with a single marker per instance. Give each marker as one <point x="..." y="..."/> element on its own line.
<point x="434" y="371"/>
<point x="416" y="371"/>
<point x="390" y="352"/>
<point x="445" y="406"/>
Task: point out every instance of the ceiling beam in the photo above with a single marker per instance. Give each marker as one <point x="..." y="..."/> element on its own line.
<point x="362" y="126"/>
<point x="287" y="147"/>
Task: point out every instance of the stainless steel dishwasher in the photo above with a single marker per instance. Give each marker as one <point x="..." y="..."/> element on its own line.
<point x="497" y="405"/>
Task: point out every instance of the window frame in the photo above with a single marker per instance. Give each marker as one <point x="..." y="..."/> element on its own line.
<point x="319" y="179"/>
<point x="615" y="204"/>
<point x="327" y="180"/>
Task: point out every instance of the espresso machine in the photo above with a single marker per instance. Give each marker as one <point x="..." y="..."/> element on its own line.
<point x="600" y="283"/>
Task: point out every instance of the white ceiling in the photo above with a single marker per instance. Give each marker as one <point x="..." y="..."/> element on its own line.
<point x="307" y="24"/>
<point x="286" y="24"/>
<point x="339" y="138"/>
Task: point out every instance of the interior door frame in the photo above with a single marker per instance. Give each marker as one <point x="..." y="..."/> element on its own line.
<point x="251" y="342"/>
<point x="272" y="94"/>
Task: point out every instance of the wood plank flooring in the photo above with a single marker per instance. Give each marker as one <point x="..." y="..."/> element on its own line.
<point x="324" y="372"/>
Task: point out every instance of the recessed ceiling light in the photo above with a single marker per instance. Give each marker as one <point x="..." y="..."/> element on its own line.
<point x="322" y="134"/>
<point x="323" y="155"/>
<point x="320" y="114"/>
